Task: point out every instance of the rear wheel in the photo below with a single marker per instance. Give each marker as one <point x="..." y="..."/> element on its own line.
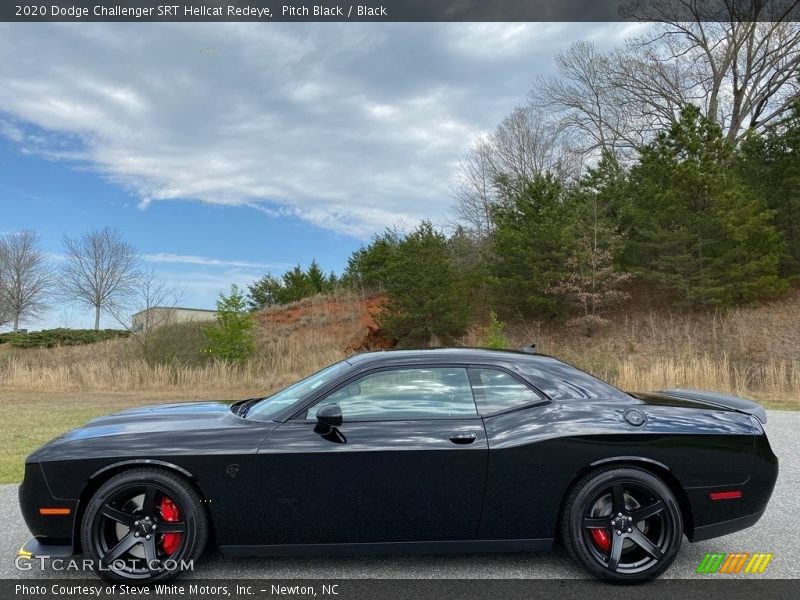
<point x="143" y="525"/>
<point x="622" y="524"/>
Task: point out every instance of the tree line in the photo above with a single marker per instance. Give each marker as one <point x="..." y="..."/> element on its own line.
<point x="671" y="162"/>
<point x="703" y="222"/>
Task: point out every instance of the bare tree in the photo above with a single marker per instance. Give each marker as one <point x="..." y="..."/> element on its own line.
<point x="593" y="283"/>
<point x="524" y="145"/>
<point x="100" y="270"/>
<point x="153" y="301"/>
<point x="588" y="101"/>
<point x="738" y="60"/>
<point x="5" y="313"/>
<point x="5" y="316"/>
<point x="527" y="144"/>
<point x="475" y="191"/>
<point x="25" y="275"/>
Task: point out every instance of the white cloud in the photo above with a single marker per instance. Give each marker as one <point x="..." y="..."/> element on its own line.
<point x="188" y="259"/>
<point x="352" y="127"/>
<point x="11" y="131"/>
<point x="488" y="41"/>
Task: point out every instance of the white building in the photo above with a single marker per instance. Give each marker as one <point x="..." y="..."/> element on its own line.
<point x="161" y="315"/>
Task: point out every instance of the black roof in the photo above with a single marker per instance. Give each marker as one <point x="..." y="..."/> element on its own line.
<point x="456" y="355"/>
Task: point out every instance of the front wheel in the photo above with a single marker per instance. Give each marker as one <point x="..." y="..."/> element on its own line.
<point x="144" y="525"/>
<point x="622" y="524"/>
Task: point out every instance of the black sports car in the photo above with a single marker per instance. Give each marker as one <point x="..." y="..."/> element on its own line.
<point x="406" y="451"/>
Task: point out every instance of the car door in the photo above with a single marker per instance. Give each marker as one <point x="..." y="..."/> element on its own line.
<point x="407" y="464"/>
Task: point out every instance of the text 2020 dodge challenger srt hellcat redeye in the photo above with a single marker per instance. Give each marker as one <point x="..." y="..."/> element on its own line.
<point x="459" y="450"/>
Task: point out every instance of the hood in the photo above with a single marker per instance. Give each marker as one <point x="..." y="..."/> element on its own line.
<point x="163" y="417"/>
<point x="203" y="428"/>
<point x="702" y="399"/>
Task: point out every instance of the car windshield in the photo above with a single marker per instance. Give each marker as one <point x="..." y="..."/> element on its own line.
<point x="271" y="406"/>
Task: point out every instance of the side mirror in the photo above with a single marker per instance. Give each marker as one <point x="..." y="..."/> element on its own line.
<point x="330" y="415"/>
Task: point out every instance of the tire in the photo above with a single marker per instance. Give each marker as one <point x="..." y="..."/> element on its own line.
<point x="641" y="544"/>
<point x="144" y="525"/>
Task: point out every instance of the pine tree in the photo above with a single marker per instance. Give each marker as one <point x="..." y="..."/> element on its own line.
<point x="425" y="299"/>
<point x="264" y="292"/>
<point x="316" y="278"/>
<point x="296" y="286"/>
<point x="532" y="240"/>
<point x="367" y="267"/>
<point x="332" y="282"/>
<point x="770" y="165"/>
<point x="695" y="230"/>
<point x="468" y="256"/>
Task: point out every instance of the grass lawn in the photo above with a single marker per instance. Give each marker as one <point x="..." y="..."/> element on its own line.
<point x="29" y="419"/>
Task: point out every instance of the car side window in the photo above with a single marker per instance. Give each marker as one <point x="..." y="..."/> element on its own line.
<point x="404" y="394"/>
<point x="561" y="381"/>
<point x="497" y="391"/>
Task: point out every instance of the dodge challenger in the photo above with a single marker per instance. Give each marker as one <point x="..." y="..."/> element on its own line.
<point x="446" y="450"/>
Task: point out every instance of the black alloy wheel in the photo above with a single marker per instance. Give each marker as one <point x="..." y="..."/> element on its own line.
<point x="622" y="524"/>
<point x="144" y="525"/>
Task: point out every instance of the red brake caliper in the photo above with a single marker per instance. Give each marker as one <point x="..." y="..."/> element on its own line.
<point x="169" y="512"/>
<point x="601" y="539"/>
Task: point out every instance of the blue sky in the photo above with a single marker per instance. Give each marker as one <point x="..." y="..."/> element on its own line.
<point x="201" y="248"/>
<point x="223" y="151"/>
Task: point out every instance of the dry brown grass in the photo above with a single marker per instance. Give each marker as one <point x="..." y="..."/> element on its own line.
<point x="751" y="351"/>
<point x="286" y="351"/>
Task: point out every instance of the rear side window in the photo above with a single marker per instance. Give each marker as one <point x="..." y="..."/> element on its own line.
<point x="497" y="391"/>
<point x="561" y="381"/>
<point x="404" y="394"/>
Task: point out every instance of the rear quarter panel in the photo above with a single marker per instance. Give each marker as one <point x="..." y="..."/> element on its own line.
<point x="535" y="455"/>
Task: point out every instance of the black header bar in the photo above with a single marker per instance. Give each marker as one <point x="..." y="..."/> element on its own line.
<point x="398" y="10"/>
<point x="713" y="588"/>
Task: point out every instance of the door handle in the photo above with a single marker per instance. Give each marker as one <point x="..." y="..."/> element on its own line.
<point x="462" y="438"/>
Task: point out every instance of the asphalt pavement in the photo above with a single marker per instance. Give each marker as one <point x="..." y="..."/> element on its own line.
<point x="777" y="532"/>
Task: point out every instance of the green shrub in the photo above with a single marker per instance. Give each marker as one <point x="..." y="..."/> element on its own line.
<point x="49" y="338"/>
<point x="232" y="338"/>
<point x="495" y="336"/>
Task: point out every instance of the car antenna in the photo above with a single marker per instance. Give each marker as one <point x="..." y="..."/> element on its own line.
<point x="531" y="349"/>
